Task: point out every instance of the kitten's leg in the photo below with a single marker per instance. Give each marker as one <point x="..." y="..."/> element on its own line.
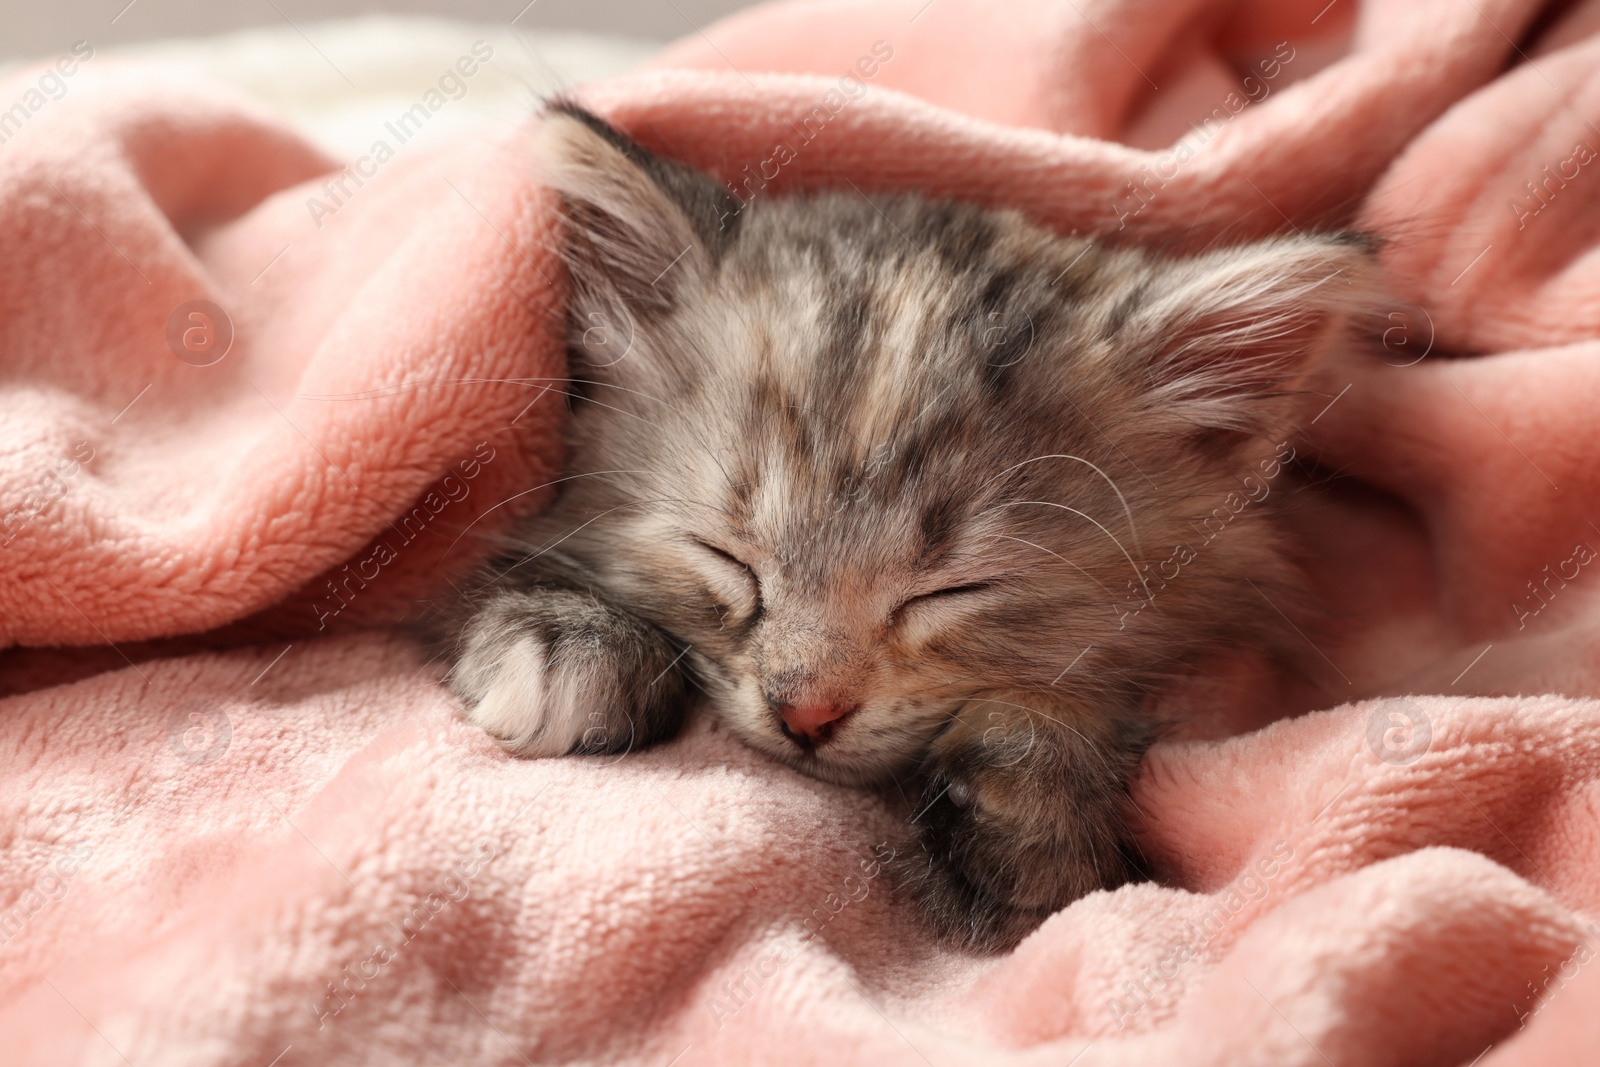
<point x="1021" y="814"/>
<point x="554" y="671"/>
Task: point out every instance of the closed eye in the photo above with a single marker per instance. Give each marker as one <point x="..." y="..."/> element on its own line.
<point x="953" y="593"/>
<point x="728" y="558"/>
<point x="738" y="590"/>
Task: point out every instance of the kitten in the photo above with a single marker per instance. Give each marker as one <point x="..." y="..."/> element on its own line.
<point x="896" y="485"/>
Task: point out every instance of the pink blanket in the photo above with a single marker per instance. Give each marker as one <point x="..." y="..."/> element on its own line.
<point x="254" y="407"/>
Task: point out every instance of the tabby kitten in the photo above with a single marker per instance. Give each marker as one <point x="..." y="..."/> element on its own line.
<point x="896" y="485"/>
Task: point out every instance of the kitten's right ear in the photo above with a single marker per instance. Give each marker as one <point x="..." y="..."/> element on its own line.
<point x="641" y="227"/>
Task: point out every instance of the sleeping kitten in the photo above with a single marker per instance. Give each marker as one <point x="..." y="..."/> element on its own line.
<point x="896" y="484"/>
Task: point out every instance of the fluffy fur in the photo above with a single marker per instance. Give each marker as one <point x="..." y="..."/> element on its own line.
<point x="922" y="464"/>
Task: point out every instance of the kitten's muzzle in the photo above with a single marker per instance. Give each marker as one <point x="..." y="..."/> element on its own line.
<point x="810" y="724"/>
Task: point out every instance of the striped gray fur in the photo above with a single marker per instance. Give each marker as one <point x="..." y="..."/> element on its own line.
<point x="911" y="459"/>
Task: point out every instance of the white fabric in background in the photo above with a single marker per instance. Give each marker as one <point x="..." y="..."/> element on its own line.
<point x="341" y="81"/>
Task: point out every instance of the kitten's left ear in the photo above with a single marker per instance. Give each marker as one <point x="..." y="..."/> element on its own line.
<point x="641" y="226"/>
<point x="1222" y="337"/>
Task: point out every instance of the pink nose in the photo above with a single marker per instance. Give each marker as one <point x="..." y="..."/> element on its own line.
<point x="811" y="724"/>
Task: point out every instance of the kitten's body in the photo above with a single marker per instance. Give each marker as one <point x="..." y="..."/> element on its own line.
<point x="897" y="484"/>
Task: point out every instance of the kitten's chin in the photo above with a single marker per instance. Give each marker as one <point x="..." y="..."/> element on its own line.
<point x="838" y="761"/>
<point x="839" y="768"/>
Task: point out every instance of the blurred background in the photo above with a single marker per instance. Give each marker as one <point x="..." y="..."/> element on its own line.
<point x="339" y="71"/>
<point x="32" y="28"/>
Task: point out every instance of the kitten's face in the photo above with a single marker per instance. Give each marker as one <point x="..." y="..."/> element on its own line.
<point x="875" y="462"/>
<point x="830" y="519"/>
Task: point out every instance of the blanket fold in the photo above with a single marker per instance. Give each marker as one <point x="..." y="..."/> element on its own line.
<point x="261" y="388"/>
<point x="258" y="404"/>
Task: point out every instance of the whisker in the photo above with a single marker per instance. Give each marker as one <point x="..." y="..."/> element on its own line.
<point x="585" y="524"/>
<point x="1132" y="529"/>
<point x="1052" y="504"/>
<point x="525" y="492"/>
<point x="1063" y="559"/>
<point x="535" y="555"/>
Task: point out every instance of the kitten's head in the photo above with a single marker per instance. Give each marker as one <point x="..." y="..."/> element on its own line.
<point x="876" y="460"/>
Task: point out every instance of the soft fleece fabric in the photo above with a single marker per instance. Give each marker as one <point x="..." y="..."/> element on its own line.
<point x="242" y="824"/>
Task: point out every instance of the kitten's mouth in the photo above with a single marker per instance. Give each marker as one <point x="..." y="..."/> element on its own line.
<point x="828" y="754"/>
<point x="823" y="765"/>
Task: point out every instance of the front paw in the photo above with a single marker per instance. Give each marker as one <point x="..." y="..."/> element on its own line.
<point x="988" y="863"/>
<point x="553" y="672"/>
<point x="958" y="900"/>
